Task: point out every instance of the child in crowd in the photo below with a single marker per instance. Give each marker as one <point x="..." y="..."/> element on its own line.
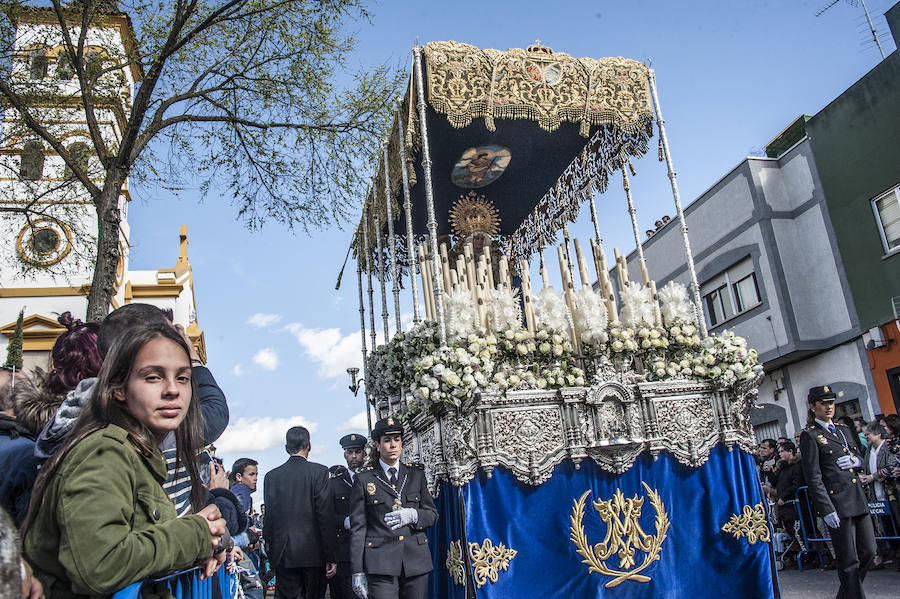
<point x="99" y="518"/>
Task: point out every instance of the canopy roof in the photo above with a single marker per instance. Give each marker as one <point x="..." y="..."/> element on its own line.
<point x="528" y="130"/>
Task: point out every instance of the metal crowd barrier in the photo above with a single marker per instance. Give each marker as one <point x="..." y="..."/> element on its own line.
<point x="880" y="511"/>
<point x="186" y="584"/>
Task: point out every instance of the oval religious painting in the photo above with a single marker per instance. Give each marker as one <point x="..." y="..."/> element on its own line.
<point x="480" y="166"/>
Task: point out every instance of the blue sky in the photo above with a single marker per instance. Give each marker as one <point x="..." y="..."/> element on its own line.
<point x="731" y="76"/>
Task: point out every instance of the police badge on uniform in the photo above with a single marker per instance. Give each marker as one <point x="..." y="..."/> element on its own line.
<point x="370" y="488"/>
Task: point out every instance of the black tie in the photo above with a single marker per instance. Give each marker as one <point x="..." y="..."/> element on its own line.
<point x="832" y="429"/>
<point x="393" y="474"/>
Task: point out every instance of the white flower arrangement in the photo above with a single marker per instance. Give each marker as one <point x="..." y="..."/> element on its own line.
<point x="675" y="306"/>
<point x="590" y="319"/>
<point x="637" y="306"/>
<point x="505" y="311"/>
<point x="551" y="310"/>
<point x="459" y="311"/>
<point x="449" y="375"/>
<point x="722" y="358"/>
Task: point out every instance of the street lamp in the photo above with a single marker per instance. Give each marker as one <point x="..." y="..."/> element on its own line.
<point x="354" y="384"/>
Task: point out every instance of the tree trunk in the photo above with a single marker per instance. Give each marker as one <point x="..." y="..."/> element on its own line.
<point x="104" y="282"/>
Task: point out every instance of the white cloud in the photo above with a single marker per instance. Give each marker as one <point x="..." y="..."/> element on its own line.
<point x="258" y="434"/>
<point x="266" y="358"/>
<point x="358" y="422"/>
<point x="261" y="321"/>
<point x="238" y="370"/>
<point x="333" y="352"/>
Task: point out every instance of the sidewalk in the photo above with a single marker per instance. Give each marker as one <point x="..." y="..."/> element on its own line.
<point x="880" y="584"/>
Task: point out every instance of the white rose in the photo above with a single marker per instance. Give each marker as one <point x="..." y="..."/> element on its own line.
<point x="544" y="348"/>
<point x="541" y="383"/>
<point x="618" y="345"/>
<point x="522" y="349"/>
<point x="423" y="392"/>
<point x="514" y="380"/>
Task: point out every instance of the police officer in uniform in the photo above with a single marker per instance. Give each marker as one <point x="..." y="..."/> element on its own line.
<point x="832" y="468"/>
<point x="390" y="508"/>
<point x="341" y="484"/>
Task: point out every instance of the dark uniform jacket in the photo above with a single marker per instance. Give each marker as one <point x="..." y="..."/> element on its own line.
<point x="832" y="489"/>
<point x="299" y="525"/>
<point x="341" y="485"/>
<point x="374" y="547"/>
<point x="788" y="480"/>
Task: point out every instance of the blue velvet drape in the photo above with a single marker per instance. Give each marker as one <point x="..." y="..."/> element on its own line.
<point x="697" y="559"/>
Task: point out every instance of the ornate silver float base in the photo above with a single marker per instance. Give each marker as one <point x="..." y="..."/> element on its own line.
<point x="611" y="422"/>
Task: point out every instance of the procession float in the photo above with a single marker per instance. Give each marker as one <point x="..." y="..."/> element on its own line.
<point x="578" y="441"/>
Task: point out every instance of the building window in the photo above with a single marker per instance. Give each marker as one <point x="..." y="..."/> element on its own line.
<point x="80" y="152"/>
<point x="64" y="68"/>
<point x="38" y="63"/>
<point x="887" y="213"/>
<point x="731" y="293"/>
<point x="767" y="430"/>
<point x="746" y="293"/>
<point x="31" y="165"/>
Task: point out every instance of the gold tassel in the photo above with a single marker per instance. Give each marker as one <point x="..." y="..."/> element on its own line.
<point x="489" y="122"/>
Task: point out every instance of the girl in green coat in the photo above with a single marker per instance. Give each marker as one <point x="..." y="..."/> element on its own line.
<point x="99" y="519"/>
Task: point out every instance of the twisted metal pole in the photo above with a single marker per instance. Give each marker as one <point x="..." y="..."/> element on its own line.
<point x="645" y="276"/>
<point x="391" y="239"/>
<point x="692" y="269"/>
<point x="407" y="209"/>
<point x="429" y="197"/>
<point x="362" y="332"/>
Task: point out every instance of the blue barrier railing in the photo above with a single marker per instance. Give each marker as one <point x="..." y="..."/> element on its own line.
<point x="809" y="531"/>
<point x="186" y="584"/>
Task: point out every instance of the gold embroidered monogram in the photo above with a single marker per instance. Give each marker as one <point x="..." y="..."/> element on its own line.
<point x="751" y="523"/>
<point x="488" y="560"/>
<point x="624" y="535"/>
<point x="455" y="564"/>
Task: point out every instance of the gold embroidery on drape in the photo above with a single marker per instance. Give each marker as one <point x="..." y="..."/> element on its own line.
<point x="751" y="523"/>
<point x="624" y="535"/>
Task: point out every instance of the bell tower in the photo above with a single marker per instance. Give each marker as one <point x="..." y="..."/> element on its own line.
<point x="48" y="252"/>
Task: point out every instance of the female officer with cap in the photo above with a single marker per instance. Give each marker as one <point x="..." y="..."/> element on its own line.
<point x="832" y="470"/>
<point x="390" y="508"/>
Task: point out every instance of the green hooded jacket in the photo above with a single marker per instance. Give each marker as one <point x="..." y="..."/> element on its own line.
<point x="105" y="521"/>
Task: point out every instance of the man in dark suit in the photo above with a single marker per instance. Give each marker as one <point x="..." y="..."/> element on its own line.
<point x="299" y="528"/>
<point x="832" y="469"/>
<point x="390" y="508"/>
<point x="341" y="484"/>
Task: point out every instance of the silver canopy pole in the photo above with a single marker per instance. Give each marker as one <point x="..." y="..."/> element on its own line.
<point x="362" y="332"/>
<point x="391" y="240"/>
<point x="645" y="276"/>
<point x="384" y="304"/>
<point x="695" y="285"/>
<point x="429" y="197"/>
<point x="369" y="275"/>
<point x="407" y="209"/>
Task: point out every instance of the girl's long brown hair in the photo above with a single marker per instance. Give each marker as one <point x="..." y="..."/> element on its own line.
<point x="103" y="409"/>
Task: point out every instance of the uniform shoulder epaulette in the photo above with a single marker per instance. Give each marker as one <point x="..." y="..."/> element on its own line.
<point x="365" y="469"/>
<point x="414" y="465"/>
<point x="336" y="471"/>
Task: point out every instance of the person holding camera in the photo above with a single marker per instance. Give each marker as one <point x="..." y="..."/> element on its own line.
<point x="833" y="470"/>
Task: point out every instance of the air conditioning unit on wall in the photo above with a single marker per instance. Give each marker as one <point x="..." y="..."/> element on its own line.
<point x="874" y="338"/>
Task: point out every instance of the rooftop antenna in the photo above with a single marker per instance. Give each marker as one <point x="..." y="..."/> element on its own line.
<point x="868" y="19"/>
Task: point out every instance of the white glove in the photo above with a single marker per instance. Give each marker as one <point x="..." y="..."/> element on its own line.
<point x="832" y="519"/>
<point x="846" y="462"/>
<point x="360" y="585"/>
<point x="347" y="523"/>
<point x="402" y="517"/>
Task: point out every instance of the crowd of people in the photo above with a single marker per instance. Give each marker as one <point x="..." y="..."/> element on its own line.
<point x="108" y="477"/>
<point x="845" y="465"/>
